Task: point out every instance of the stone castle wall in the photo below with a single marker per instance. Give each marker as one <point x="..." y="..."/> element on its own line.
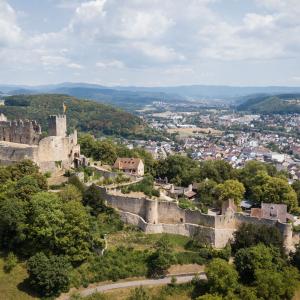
<point x="21" y="140"/>
<point x="166" y="217"/>
<point x="14" y="153"/>
<point x="23" y="132"/>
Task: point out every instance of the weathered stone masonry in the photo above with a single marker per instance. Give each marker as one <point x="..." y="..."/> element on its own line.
<point x="154" y="216"/>
<point x="22" y="140"/>
<point x="23" y="132"/>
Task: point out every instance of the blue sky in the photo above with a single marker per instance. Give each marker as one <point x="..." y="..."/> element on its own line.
<point x="150" y="42"/>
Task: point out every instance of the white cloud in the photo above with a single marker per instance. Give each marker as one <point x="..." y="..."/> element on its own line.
<point x="52" y="62"/>
<point x="173" y="37"/>
<point x="10" y="32"/>
<point x="110" y="64"/>
<point x="90" y="10"/>
<point x="159" y="53"/>
<point x="255" y="21"/>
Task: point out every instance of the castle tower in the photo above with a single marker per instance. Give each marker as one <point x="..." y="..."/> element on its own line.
<point x="57" y="125"/>
<point x="151" y="211"/>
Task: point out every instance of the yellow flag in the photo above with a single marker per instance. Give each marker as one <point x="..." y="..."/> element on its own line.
<point x="64" y="107"/>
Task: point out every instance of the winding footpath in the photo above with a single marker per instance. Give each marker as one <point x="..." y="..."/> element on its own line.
<point x="144" y="282"/>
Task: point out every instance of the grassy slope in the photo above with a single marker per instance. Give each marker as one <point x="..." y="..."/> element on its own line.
<point x="87" y="116"/>
<point x="11" y="285"/>
<point x="141" y="241"/>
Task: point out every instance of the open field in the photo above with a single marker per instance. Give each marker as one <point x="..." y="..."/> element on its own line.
<point x="11" y="285"/>
<point x="186" y="132"/>
<point x="141" y="241"/>
<point x="170" y="114"/>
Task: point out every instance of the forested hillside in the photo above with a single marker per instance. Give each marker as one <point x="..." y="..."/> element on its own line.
<point x="285" y="103"/>
<point x="86" y="116"/>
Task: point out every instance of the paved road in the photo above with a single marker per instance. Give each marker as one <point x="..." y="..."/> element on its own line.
<point x="145" y="282"/>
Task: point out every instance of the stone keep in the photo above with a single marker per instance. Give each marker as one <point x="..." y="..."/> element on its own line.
<point x="57" y="125"/>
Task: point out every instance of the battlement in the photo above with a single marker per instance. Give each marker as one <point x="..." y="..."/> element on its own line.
<point x="20" y="131"/>
<point x="54" y="117"/>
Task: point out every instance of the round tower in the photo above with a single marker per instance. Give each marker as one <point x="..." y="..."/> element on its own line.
<point x="151" y="211"/>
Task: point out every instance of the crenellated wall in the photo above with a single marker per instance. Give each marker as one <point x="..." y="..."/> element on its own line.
<point x="23" y="132"/>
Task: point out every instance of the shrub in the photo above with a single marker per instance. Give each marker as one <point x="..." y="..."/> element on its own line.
<point x="251" y="234"/>
<point x="49" y="275"/>
<point x="10" y="262"/>
<point x="116" y="264"/>
<point x="186" y="204"/>
<point x="146" y="186"/>
<point x="190" y="258"/>
<point x="139" y="293"/>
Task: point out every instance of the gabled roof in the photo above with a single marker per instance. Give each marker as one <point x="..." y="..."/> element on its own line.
<point x="127" y="163"/>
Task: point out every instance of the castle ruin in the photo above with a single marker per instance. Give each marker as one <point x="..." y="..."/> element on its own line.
<point x="23" y="139"/>
<point x="156" y="216"/>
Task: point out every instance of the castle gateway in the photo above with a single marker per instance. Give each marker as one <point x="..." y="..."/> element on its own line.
<point x="22" y="139"/>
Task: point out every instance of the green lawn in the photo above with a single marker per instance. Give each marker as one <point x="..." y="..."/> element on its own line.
<point x="12" y="285"/>
<point x="141" y="241"/>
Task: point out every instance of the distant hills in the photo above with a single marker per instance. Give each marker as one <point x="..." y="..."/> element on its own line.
<point x="87" y="116"/>
<point x="283" y="103"/>
<point x="132" y="98"/>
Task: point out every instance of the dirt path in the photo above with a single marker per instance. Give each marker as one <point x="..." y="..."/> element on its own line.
<point x="128" y="284"/>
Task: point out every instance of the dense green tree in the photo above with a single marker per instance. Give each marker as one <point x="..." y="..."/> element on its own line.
<point x="46" y="220"/>
<point x="217" y="170"/>
<point x="23" y="168"/>
<point x="259" y="257"/>
<point x="92" y="197"/>
<point x="295" y="186"/>
<point x="206" y="192"/>
<point x="161" y="260"/>
<point x="274" y="190"/>
<point x="12" y="222"/>
<point x="179" y="170"/>
<point x="87" y="144"/>
<point x="70" y="192"/>
<point x="247" y="293"/>
<point x="277" y="285"/>
<point x="49" y="275"/>
<point x="61" y="227"/>
<point x="105" y="151"/>
<point x="252" y="234"/>
<point x="230" y="190"/>
<point x="222" y="277"/>
<point x="247" y="174"/>
<point x="5" y="175"/>
<point x="76" y="239"/>
<point x="25" y="188"/>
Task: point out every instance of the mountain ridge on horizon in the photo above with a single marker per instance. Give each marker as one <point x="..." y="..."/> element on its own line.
<point x="137" y="96"/>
